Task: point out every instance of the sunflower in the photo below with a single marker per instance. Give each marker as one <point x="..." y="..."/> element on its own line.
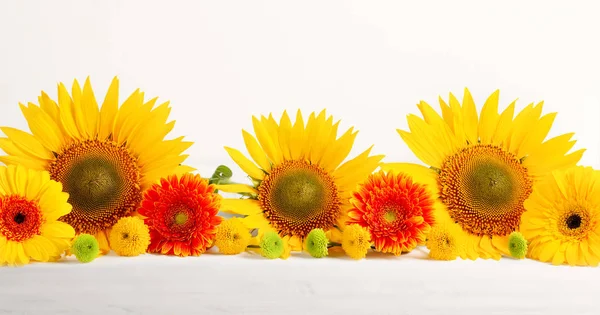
<point x="562" y="221"/>
<point x="181" y="214"/>
<point x="104" y="157"/>
<point x="483" y="168"/>
<point x="30" y="204"/>
<point x="397" y="212"/>
<point x="298" y="183"/>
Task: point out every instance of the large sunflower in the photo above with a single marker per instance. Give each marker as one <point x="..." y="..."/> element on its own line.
<point x="104" y="157"/>
<point x="483" y="168"/>
<point x="30" y="204"/>
<point x="299" y="184"/>
<point x="562" y="221"/>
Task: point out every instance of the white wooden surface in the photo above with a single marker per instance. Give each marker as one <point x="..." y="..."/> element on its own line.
<point x="249" y="284"/>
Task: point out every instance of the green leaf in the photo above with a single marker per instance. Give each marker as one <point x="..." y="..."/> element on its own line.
<point x="222" y="175"/>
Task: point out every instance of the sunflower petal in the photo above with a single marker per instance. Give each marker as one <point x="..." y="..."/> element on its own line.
<point x="245" y="164"/>
<point x="241" y="206"/>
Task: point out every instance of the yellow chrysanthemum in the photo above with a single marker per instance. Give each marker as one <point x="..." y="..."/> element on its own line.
<point x="30" y="204"/>
<point x="483" y="167"/>
<point x="104" y="157"/>
<point x="299" y="184"/>
<point x="232" y="237"/>
<point x="562" y="221"/>
<point x="445" y="241"/>
<point x="356" y="241"/>
<point x="129" y="237"/>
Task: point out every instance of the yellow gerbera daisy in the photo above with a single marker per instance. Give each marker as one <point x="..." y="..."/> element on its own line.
<point x="483" y="168"/>
<point x="30" y="204"/>
<point x="562" y="221"/>
<point x="104" y="157"/>
<point x="299" y="184"/>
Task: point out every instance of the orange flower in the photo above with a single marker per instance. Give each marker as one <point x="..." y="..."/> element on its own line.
<point x="181" y="215"/>
<point x="397" y="211"/>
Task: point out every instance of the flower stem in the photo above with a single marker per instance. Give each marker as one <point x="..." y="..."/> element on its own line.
<point x="333" y="244"/>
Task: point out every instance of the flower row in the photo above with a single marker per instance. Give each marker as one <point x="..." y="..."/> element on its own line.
<point x="89" y="178"/>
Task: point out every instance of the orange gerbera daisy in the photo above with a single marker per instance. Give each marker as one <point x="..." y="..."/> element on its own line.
<point x="181" y="214"/>
<point x="397" y="211"/>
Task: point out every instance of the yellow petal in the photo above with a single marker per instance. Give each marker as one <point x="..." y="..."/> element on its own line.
<point x="256" y="221"/>
<point x="285" y="132"/>
<point x="67" y="112"/>
<point x="128" y="116"/>
<point x="489" y="118"/>
<point x="35" y="251"/>
<point x="537" y="134"/>
<point x="256" y="152"/>
<point x="266" y="141"/>
<point x="241" y="206"/>
<point x="522" y="125"/>
<point x="109" y="109"/>
<point x="572" y="254"/>
<point x="49" y="106"/>
<point x="297" y="137"/>
<point x="470" y="118"/>
<point x="27" y="143"/>
<point x="339" y="150"/>
<point x="420" y="174"/>
<point x="502" y="132"/>
<point x="57" y="229"/>
<point x="89" y="108"/>
<point x="25" y="161"/>
<point x="245" y="164"/>
<point x="43" y="127"/>
<point x="501" y="244"/>
<point x="103" y="243"/>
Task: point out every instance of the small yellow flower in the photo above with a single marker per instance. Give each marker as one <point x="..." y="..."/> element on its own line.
<point x="356" y="241"/>
<point x="445" y="241"/>
<point x="130" y="237"/>
<point x="232" y="237"/>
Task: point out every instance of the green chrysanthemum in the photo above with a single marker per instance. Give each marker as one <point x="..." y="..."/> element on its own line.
<point x="85" y="248"/>
<point x="316" y="243"/>
<point x="517" y="245"/>
<point x="271" y="245"/>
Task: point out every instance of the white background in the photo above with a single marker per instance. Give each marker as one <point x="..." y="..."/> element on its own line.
<point x="368" y="63"/>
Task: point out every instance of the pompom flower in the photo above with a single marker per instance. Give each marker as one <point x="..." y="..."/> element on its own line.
<point x="316" y="243"/>
<point x="356" y="241"/>
<point x="562" y="221"/>
<point x="517" y="245"/>
<point x="105" y="156"/>
<point x="300" y="178"/>
<point x="271" y="245"/>
<point x="397" y="211"/>
<point x="445" y="241"/>
<point x="30" y="205"/>
<point x="232" y="237"/>
<point x="85" y="248"/>
<point x="182" y="215"/>
<point x="482" y="166"/>
<point x="130" y="237"/>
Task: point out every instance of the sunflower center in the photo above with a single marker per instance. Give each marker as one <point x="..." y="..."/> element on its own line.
<point x="484" y="188"/>
<point x="20" y="219"/>
<point x="297" y="197"/>
<point x="103" y="182"/>
<point x="573" y="221"/>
